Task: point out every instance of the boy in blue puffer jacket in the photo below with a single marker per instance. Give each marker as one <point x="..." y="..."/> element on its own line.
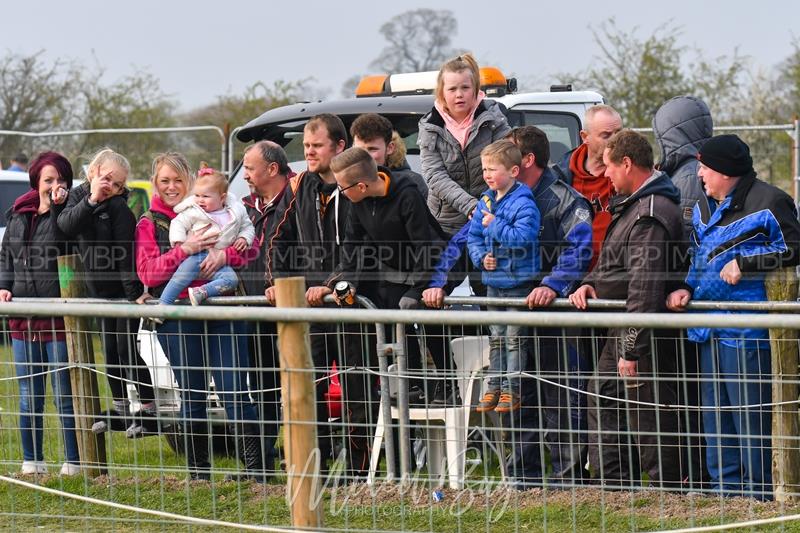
<point x="503" y="243"/>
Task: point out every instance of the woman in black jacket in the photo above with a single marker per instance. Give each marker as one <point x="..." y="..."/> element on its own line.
<point x="98" y="216"/>
<point x="29" y="268"/>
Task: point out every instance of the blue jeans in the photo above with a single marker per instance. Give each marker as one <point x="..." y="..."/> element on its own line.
<point x="32" y="357"/>
<point x="223" y="281"/>
<point x="196" y="349"/>
<point x="739" y="457"/>
<point x="508" y="346"/>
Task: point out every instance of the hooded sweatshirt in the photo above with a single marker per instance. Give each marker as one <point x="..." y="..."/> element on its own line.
<point x="681" y="127"/>
<point x="391" y="238"/>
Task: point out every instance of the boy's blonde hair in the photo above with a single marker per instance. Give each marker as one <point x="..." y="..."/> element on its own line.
<point x="356" y="165"/>
<point x="106" y="155"/>
<point x="214" y="178"/>
<point x="504" y="152"/>
<point x="177" y="162"/>
<point x="457" y="64"/>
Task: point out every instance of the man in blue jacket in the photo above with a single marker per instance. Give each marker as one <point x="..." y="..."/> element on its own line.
<point x="750" y="229"/>
<point x="565" y="246"/>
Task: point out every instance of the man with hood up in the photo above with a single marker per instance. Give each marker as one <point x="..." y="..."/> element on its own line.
<point x="682" y="125"/>
<point x="635" y="265"/>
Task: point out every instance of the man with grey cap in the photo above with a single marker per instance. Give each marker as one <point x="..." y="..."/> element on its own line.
<point x="682" y="125"/>
<point x="751" y="228"/>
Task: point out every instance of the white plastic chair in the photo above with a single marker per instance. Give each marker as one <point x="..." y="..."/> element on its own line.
<point x="446" y="426"/>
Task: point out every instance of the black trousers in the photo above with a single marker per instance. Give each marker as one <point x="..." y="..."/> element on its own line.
<point x="123" y="360"/>
<point x="626" y="439"/>
<point x="265" y="378"/>
<point x="349" y="345"/>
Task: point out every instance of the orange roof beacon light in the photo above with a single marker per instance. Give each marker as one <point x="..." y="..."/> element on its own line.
<point x="372" y="86"/>
<point x="493" y="83"/>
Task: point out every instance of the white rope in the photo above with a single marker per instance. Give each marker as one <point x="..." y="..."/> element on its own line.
<point x="417" y="375"/>
<point x="161" y="514"/>
<point x="736" y="525"/>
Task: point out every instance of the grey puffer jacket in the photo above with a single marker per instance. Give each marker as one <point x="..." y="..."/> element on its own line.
<point x="455" y="176"/>
<point x="682" y="125"/>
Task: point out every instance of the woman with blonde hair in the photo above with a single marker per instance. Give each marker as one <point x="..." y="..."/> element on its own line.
<point x="196" y="348"/>
<point x="98" y="217"/>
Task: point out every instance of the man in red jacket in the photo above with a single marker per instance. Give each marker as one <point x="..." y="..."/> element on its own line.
<point x="583" y="168"/>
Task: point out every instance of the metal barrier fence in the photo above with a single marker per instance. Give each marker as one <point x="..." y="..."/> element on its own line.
<point x="455" y="469"/>
<point x="769" y="155"/>
<point x="135" y="157"/>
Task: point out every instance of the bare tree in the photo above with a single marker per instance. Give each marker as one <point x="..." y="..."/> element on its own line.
<point x="419" y="40"/>
<point x="637" y="75"/>
<point x="790" y="77"/>
<point x="35" y="96"/>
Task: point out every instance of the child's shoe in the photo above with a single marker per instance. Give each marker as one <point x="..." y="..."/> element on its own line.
<point x="489" y="401"/>
<point x="197" y="295"/>
<point x="509" y="401"/>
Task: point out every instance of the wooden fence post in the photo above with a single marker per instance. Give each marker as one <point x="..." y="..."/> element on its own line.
<point x="782" y="286"/>
<point x="299" y="409"/>
<point x="85" y="396"/>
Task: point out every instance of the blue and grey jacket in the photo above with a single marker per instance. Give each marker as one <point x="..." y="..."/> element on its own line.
<point x="565" y="237"/>
<point x="512" y="237"/>
<point x="757" y="226"/>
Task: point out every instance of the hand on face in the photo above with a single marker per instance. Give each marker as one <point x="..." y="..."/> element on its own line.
<point x="109" y="181"/>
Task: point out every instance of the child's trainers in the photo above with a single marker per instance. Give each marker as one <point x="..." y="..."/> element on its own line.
<point x="489" y="401"/>
<point x="197" y="295"/>
<point x="509" y="401"/>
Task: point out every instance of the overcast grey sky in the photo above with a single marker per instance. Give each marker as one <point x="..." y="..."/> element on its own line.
<point x="200" y="49"/>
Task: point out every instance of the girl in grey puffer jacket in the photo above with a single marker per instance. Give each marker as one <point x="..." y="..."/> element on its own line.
<point x="451" y="138"/>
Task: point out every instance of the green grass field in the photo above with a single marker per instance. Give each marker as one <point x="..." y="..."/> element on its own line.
<point x="147" y="473"/>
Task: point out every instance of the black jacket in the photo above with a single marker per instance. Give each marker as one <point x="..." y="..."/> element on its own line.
<point x="255" y="276"/>
<point x="404" y="170"/>
<point x="31" y="246"/>
<point x="391" y="239"/>
<point x="310" y="230"/>
<point x="105" y="234"/>
<point x="642" y="257"/>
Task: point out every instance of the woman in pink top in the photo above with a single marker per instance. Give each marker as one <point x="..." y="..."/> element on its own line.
<point x="192" y="347"/>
